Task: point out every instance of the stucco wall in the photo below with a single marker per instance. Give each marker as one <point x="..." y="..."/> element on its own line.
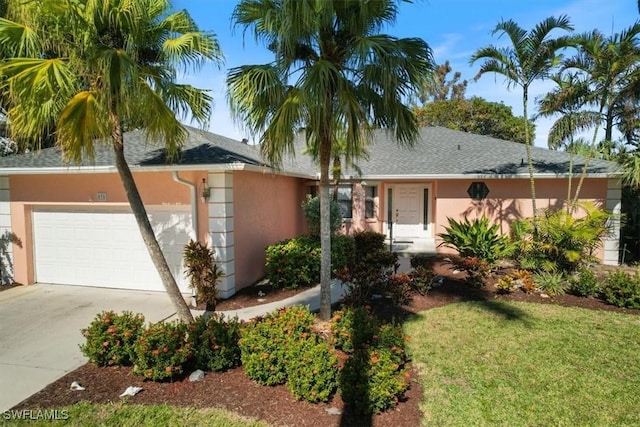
<point x="73" y="189"/>
<point x="266" y="210"/>
<point x="508" y="200"/>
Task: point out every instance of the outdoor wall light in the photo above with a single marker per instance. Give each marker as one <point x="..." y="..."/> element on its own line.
<point x="205" y="191"/>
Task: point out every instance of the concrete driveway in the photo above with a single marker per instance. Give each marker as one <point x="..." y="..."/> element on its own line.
<point x="40" y="331"/>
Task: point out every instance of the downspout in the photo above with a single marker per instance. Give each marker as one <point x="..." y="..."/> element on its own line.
<point x="194" y="202"/>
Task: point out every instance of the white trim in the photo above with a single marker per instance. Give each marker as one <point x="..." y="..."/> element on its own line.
<point x="6" y="228"/>
<point x="220" y="219"/>
<point x="612" y="240"/>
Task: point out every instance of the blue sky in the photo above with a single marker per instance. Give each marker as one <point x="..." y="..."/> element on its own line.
<point x="454" y="29"/>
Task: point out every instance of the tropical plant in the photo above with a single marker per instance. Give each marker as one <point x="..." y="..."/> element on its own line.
<point x="563" y="242"/>
<point x="531" y="56"/>
<point x="333" y="76"/>
<point x="203" y="272"/>
<point x="476" y="238"/>
<point x="553" y="283"/>
<point x="311" y="209"/>
<point x="610" y="66"/>
<point x="94" y="69"/>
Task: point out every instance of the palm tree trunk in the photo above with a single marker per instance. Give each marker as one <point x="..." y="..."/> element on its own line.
<point x="140" y="213"/>
<point x="525" y="98"/>
<point x="325" y="230"/>
<point x="586" y="165"/>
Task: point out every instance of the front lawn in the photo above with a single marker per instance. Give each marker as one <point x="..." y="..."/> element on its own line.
<point x="507" y="363"/>
<point x="123" y="415"/>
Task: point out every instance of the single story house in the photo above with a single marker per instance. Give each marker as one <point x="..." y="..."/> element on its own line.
<point x="72" y="224"/>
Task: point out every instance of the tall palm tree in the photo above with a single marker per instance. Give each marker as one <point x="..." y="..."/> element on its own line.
<point x="531" y="56"/>
<point x="567" y="99"/>
<point x="96" y="67"/>
<point x="332" y="72"/>
<point x="611" y="66"/>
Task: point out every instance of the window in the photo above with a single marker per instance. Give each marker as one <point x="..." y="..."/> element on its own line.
<point x="345" y="201"/>
<point x="425" y="209"/>
<point x="371" y="192"/>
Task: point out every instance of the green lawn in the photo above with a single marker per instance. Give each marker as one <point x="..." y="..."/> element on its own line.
<point x="117" y="415"/>
<point x="516" y="364"/>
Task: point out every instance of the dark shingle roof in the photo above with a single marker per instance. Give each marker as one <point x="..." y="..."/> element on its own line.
<point x="201" y="148"/>
<point x="438" y="152"/>
<point x="446" y="152"/>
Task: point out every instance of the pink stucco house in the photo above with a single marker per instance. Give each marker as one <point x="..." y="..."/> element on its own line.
<point x="74" y="225"/>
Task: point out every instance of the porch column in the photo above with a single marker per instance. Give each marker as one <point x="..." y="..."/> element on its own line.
<point x="6" y="241"/>
<point x="221" y="229"/>
<point x="612" y="241"/>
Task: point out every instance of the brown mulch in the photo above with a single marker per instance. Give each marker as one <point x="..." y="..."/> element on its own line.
<point x="233" y="390"/>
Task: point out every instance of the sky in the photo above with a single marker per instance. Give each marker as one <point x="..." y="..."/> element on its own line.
<point x="454" y="30"/>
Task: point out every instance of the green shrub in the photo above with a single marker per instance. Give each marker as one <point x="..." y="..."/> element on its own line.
<point x="202" y="271"/>
<point x="353" y="328"/>
<point x="214" y="342"/>
<point x="372" y="380"/>
<point x="421" y="260"/>
<point x="551" y="283"/>
<point x="162" y="350"/>
<point x="343" y="252"/>
<point x="391" y="337"/>
<point x="562" y="242"/>
<point x="585" y="284"/>
<point x="367" y="242"/>
<point x="110" y="338"/>
<point x="311" y="208"/>
<point x="477" y="269"/>
<point x="370" y="275"/>
<point x="263" y="343"/>
<point x="422" y="279"/>
<point x="622" y="289"/>
<point x="295" y="262"/>
<point x="399" y="288"/>
<point x="476" y="239"/>
<point x="312" y="370"/>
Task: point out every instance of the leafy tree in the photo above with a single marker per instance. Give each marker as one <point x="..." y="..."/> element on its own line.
<point x="333" y="75"/>
<point x="91" y="68"/>
<point x="530" y="56"/>
<point x="438" y="88"/>
<point x="475" y="115"/>
<point x="610" y="66"/>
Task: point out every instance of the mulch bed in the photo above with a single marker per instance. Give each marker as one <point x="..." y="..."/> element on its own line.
<point x="233" y="391"/>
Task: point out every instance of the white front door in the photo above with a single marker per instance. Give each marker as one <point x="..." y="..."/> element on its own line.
<point x="409" y="211"/>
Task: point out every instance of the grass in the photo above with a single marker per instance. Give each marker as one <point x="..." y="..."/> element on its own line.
<point x="121" y="414"/>
<point x="517" y="364"/>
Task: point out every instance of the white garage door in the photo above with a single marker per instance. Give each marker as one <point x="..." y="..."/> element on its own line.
<point x="105" y="249"/>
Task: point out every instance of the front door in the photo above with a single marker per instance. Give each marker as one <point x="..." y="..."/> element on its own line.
<point x="408" y="209"/>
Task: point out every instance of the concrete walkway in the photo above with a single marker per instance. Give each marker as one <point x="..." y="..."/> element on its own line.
<point x="310" y="297"/>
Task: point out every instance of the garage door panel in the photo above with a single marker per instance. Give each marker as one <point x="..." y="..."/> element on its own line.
<point x="105" y="248"/>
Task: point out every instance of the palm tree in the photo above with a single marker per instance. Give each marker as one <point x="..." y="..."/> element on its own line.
<point x="567" y="99"/>
<point x="88" y="67"/>
<point x="530" y="57"/>
<point x="332" y="73"/>
<point x="610" y="65"/>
